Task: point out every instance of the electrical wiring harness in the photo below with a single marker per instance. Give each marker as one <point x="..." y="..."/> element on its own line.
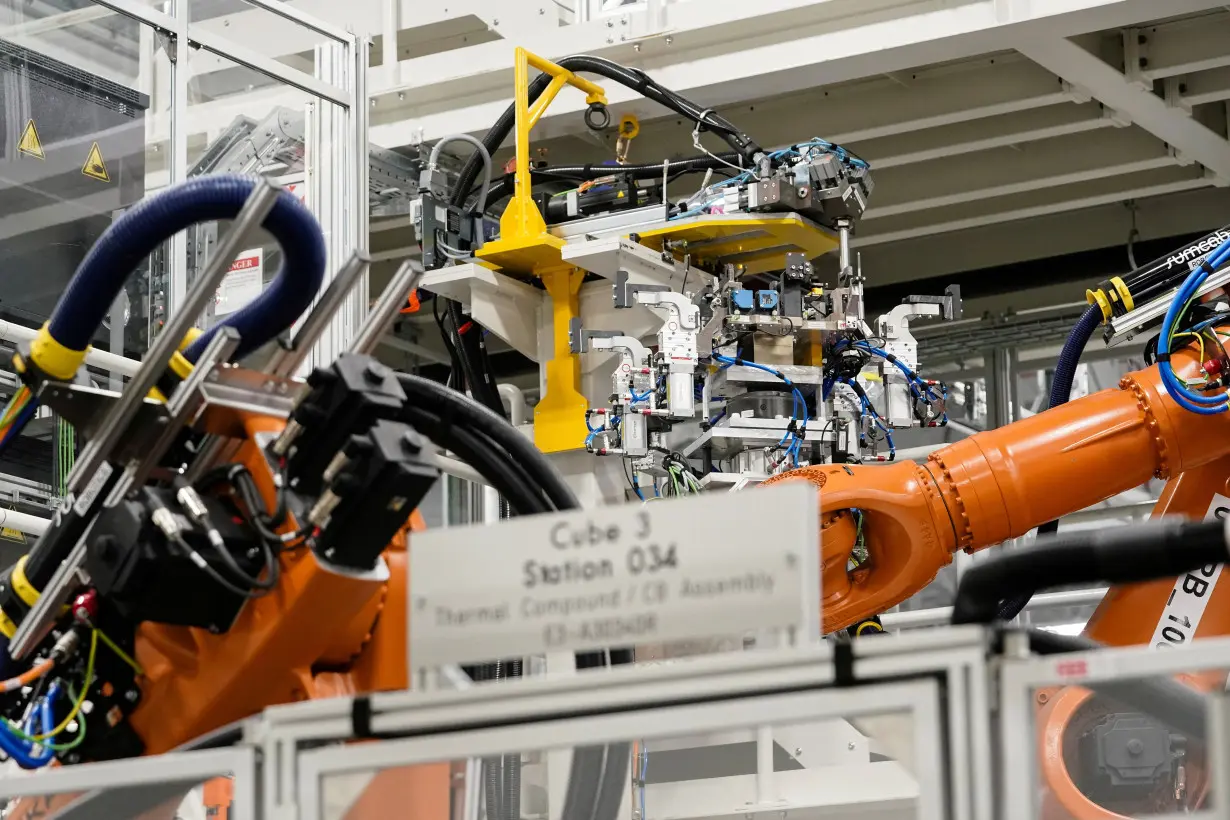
<point x="796" y="431"/>
<point x="1178" y="389"/>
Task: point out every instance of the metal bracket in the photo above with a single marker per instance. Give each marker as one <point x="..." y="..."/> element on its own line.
<point x="625" y="293"/>
<point x="950" y="303"/>
<point x="168" y="42"/>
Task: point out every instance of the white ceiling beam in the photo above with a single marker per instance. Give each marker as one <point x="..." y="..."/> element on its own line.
<point x="1205" y="87"/>
<point x="1056" y="231"/>
<point x="1109" y="85"/>
<point x="54" y="22"/>
<point x="984" y="135"/>
<point x="1183" y="47"/>
<point x="719" y="51"/>
<point x="883" y="107"/>
<point x="1015" y="170"/>
<point x="1114" y="189"/>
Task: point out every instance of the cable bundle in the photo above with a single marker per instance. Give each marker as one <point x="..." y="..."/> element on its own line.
<point x="1178" y="390"/>
<point x="796" y="433"/>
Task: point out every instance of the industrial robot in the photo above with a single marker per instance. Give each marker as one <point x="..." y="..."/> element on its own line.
<point x="236" y="538"/>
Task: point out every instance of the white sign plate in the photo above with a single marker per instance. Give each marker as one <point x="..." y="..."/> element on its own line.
<point x="242" y="283"/>
<point x="617" y="576"/>
<point x="1190" y="597"/>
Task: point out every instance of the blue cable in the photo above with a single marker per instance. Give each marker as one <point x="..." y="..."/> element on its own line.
<point x="644" y="773"/>
<point x="636" y="488"/>
<point x="798" y="406"/>
<point x="144" y="227"/>
<point x="915" y="381"/>
<point x="41" y="720"/>
<point x="1183" y="396"/>
<point x="875" y="416"/>
<point x="643" y="396"/>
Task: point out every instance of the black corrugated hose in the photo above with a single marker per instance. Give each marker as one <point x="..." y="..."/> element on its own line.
<point x="1161" y="548"/>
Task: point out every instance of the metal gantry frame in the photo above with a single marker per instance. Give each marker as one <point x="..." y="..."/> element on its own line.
<point x="294" y="749"/>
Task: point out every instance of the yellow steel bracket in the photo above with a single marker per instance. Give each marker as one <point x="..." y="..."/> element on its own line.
<point x="559" y="418"/>
<point x="524" y="243"/>
<point x="525" y="248"/>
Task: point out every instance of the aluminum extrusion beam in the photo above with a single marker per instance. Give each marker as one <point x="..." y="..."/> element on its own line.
<point x="942" y="615"/>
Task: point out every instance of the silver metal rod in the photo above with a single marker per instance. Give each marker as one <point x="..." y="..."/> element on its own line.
<point x="456" y="468"/>
<point x="102" y="359"/>
<point x="155" y="362"/>
<point x="181" y="404"/>
<point x="285" y="362"/>
<point x="843" y="237"/>
<point x="98" y="452"/>
<point x="942" y="615"/>
<point x="405" y="280"/>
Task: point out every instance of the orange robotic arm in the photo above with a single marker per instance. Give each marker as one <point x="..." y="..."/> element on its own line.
<point x="999" y="485"/>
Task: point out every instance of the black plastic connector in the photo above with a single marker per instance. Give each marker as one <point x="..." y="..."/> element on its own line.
<point x="346" y="399"/>
<point x="147" y="576"/>
<point x="372" y="487"/>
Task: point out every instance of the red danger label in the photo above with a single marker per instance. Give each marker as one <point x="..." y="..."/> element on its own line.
<point x="245" y="263"/>
<point x="1072" y="669"/>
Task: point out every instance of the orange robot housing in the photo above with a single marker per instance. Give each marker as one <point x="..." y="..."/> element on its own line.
<point x="1002" y="483"/>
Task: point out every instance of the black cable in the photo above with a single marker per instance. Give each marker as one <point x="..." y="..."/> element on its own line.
<point x="614" y="780"/>
<point x="503" y="473"/>
<point x="456" y="377"/>
<point x="469" y="413"/>
<point x="631" y="78"/>
<point x="704" y="162"/>
<point x="459" y="320"/>
<point x="218" y="577"/>
<point x="1178" y="706"/>
<point x="1160" y="548"/>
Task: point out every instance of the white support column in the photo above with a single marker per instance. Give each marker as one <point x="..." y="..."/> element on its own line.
<point x="388" y="36"/>
<point x="177" y="269"/>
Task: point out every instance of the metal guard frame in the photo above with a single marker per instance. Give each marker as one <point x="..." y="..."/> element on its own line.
<point x="338" y="175"/>
<point x="1020" y="676"/>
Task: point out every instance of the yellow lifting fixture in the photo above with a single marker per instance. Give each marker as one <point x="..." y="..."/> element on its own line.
<point x="526" y="249"/>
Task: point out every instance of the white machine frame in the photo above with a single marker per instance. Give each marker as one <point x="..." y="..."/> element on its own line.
<point x="710" y="694"/>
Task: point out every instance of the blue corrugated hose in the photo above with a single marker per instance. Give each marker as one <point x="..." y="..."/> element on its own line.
<point x="140" y="231"/>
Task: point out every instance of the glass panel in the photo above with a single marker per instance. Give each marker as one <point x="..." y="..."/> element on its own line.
<point x="807" y="768"/>
<point x="242" y="122"/>
<point x="1128" y="748"/>
<point x="253" y="28"/>
<point x="82" y="91"/>
<point x="96" y="40"/>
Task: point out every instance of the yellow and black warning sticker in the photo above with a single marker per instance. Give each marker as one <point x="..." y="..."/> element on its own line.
<point x="30" y="144"/>
<point x="94" y="165"/>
